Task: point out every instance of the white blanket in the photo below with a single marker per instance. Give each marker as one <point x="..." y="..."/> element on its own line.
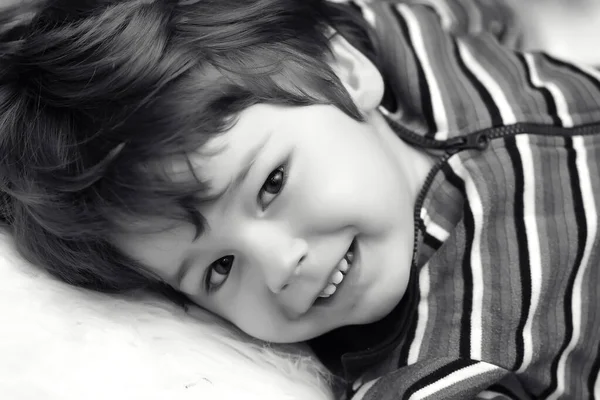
<point x="58" y="342"/>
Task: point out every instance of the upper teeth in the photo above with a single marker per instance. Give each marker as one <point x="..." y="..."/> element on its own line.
<point x="338" y="275"/>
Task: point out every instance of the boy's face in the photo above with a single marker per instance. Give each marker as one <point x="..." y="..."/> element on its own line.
<point x="318" y="182"/>
<point x="307" y="185"/>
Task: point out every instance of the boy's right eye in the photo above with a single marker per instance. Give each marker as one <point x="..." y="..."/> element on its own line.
<point x="221" y="269"/>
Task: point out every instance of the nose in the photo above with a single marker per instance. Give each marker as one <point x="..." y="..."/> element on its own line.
<point x="277" y="255"/>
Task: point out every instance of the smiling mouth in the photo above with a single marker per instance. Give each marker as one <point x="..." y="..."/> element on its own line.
<point x="337" y="277"/>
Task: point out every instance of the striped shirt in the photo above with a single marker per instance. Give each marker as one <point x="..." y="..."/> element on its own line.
<point x="504" y="296"/>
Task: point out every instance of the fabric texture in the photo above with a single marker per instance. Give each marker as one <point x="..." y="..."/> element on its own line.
<point x="503" y="301"/>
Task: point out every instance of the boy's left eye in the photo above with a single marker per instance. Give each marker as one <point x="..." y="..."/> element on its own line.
<point x="272" y="186"/>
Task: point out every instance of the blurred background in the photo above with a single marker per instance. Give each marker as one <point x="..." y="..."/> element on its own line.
<point x="565" y="28"/>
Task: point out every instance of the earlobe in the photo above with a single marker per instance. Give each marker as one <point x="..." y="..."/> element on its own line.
<point x="360" y="76"/>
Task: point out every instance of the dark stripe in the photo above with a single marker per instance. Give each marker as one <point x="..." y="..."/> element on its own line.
<point x="413" y="297"/>
<point x="438" y="374"/>
<point x="594" y="374"/>
<point x="410" y="334"/>
<point x="581" y="238"/>
<point x="550" y="103"/>
<point x="426" y="106"/>
<point x="485" y="95"/>
<point x="431" y="241"/>
<point x="522" y="245"/>
<point x="452" y="178"/>
<point x="504" y="391"/>
<point x="465" y="325"/>
<point x="574" y="69"/>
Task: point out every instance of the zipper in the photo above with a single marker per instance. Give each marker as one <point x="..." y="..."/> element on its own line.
<point x="419" y="228"/>
<point x="479" y="140"/>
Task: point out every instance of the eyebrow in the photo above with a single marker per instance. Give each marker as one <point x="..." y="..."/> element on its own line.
<point x="247" y="163"/>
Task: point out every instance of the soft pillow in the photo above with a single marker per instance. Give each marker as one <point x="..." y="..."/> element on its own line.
<point x="61" y="342"/>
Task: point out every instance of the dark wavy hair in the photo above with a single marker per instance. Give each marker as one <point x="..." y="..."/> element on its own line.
<point x="96" y="96"/>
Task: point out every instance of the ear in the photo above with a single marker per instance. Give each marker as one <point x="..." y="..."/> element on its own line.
<point x="360" y="76"/>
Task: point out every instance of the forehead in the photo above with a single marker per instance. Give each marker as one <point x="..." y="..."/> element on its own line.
<point x="224" y="154"/>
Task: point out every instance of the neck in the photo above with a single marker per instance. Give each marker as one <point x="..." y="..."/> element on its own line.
<point x="414" y="161"/>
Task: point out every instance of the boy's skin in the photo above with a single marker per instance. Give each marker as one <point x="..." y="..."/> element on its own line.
<point x="341" y="180"/>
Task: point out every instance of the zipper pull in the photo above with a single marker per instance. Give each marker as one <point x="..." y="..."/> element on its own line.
<point x="476" y="141"/>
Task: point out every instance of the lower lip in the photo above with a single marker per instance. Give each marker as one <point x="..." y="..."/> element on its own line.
<point x="346" y="284"/>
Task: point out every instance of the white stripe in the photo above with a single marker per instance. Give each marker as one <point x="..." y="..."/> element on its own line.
<point x="476" y="264"/>
<point x="490" y="395"/>
<point x="423" y="316"/>
<point x="364" y="389"/>
<point x="591" y="216"/>
<point x="597" y="387"/>
<point x="432" y="228"/>
<point x="562" y="106"/>
<point x="437" y="102"/>
<point x="495" y="90"/>
<point x="454" y="378"/>
<point x="533" y="242"/>
<point x="367" y="12"/>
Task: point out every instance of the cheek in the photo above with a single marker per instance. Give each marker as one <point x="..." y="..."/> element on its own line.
<point x="356" y="185"/>
<point x="257" y="317"/>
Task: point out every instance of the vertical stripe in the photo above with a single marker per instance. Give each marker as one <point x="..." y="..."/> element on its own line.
<point x="533" y="243"/>
<point x="587" y="217"/>
<point x="556" y="388"/>
<point x="367" y="12"/>
<point x="562" y="107"/>
<point x="465" y="326"/>
<point x="508" y="115"/>
<point x="522" y="246"/>
<point x="437" y="103"/>
<point x="422" y="315"/>
<point x="534" y="78"/>
<point x="424" y="93"/>
<point x="488" y="102"/>
<point x="594" y="379"/>
<point x="474" y="223"/>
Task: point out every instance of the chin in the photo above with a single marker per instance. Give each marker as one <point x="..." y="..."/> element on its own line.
<point x="381" y="308"/>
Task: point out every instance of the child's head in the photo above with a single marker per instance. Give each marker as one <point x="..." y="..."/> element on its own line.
<point x="146" y="143"/>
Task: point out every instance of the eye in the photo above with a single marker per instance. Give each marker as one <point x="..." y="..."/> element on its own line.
<point x="272" y="186"/>
<point x="219" y="270"/>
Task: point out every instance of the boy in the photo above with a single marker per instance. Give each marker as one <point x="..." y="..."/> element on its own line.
<point x="459" y="262"/>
